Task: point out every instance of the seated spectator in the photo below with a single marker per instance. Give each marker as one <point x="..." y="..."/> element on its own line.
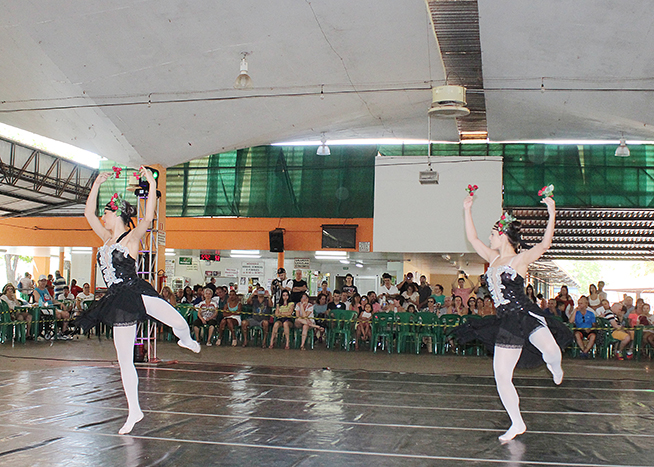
<point x="374" y="301"/>
<point x="320" y="312"/>
<point x="459" y="288"/>
<point x="458" y="308"/>
<point x="542" y="303"/>
<point x="168" y="295"/>
<point x="179" y="295"/>
<point x="207" y="313"/>
<point x="355" y="302"/>
<point x="431" y="306"/>
<point x="411" y="295"/>
<point x="489" y="307"/>
<point x="187" y="296"/>
<point x="447" y="308"/>
<point x="43" y="298"/>
<point x="479" y="305"/>
<point x="364" y="329"/>
<point x="529" y="292"/>
<point x="84" y="296"/>
<point x="628" y="301"/>
<point x="198" y="294"/>
<point x="326" y="291"/>
<point x="304" y="318"/>
<point x="603" y="308"/>
<point x="560" y="309"/>
<point x="66" y="304"/>
<point x="615" y="315"/>
<point x="231" y="317"/>
<point x="472" y="306"/>
<point x="438" y="295"/>
<point x="26" y="286"/>
<point x="13" y="302"/>
<point x="261" y="303"/>
<point x="411" y="308"/>
<point x="594" y="300"/>
<point x="565" y="298"/>
<point x="284" y="317"/>
<point x="648" y="334"/>
<point x="552" y="308"/>
<point x="74" y="288"/>
<point x="583" y="320"/>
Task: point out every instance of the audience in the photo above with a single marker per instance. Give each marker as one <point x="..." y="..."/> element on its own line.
<point x="13" y="302"/>
<point x="299" y="286"/>
<point x="304" y="318"/>
<point x="261" y="303"/>
<point x="363" y="329"/>
<point x="83" y="296"/>
<point x="529" y="291"/>
<point x="565" y="298"/>
<point x="594" y="300"/>
<point x="424" y="291"/>
<point x="386" y="287"/>
<point x="459" y="288"/>
<point x="482" y="287"/>
<point x="438" y="295"/>
<point x="411" y="295"/>
<point x="615" y="316"/>
<point x="168" y="295"/>
<point x="231" y="317"/>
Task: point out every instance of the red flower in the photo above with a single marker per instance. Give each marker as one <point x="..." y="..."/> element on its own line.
<point x="117" y="171"/>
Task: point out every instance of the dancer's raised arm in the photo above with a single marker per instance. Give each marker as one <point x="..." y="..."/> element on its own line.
<point x="150" y="206"/>
<point x="480" y="247"/>
<point x="531" y="255"/>
<point x="91" y="204"/>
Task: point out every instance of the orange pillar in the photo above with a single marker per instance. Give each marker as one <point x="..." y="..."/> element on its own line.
<point x="280" y="260"/>
<point x="41" y="266"/>
<point x="61" y="262"/>
<point x="94" y="255"/>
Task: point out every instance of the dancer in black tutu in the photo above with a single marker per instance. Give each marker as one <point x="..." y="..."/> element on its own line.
<point x="128" y="299"/>
<point x="520" y="335"/>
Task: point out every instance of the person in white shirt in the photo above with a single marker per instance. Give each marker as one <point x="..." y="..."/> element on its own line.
<point x="84" y="296"/>
<point x="387" y="288"/>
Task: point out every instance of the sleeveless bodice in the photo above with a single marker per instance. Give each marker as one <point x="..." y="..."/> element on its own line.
<point x="116" y="264"/>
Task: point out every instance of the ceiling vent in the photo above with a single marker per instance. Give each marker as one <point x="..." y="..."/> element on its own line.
<point x="448" y="102"/>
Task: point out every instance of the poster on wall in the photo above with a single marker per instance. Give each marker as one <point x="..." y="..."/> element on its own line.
<point x="301" y="263"/>
<point x="252" y="268"/>
<point x="231" y="272"/>
<point x="170" y="267"/>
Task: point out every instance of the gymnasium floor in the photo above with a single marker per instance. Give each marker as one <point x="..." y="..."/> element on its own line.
<point x="62" y="405"/>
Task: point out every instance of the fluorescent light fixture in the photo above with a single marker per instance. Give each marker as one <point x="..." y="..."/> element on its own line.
<point x="245" y="252"/>
<point x="359" y="265"/>
<point x="170" y="250"/>
<point x="331" y="253"/>
<point x="345" y="261"/>
<point x="332" y="258"/>
<point x="82" y="248"/>
<point x="244" y="256"/>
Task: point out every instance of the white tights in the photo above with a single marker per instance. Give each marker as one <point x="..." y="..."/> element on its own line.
<point x="124" y="337"/>
<point x="504" y="362"/>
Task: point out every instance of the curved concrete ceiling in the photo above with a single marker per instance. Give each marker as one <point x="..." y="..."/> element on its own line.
<point x="151" y="81"/>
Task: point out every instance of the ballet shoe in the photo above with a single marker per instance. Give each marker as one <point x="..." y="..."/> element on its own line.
<point x="512" y="432"/>
<point x="129" y="424"/>
<point x="193" y="346"/>
<point x="557" y="377"/>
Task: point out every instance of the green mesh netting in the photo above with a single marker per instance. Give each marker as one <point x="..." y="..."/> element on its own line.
<point x="274" y="181"/>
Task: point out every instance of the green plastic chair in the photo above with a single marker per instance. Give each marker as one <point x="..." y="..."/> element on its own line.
<point x="609" y="343"/>
<point x="405" y="331"/>
<point x="344" y="328"/>
<point x="382" y="328"/>
<point x="426" y="324"/>
<point x="9" y="327"/>
<point x="447" y="323"/>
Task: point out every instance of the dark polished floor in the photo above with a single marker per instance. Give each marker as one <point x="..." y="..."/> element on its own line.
<point x="203" y="413"/>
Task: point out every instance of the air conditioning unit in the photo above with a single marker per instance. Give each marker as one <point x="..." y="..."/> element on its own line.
<point x="448" y="102"/>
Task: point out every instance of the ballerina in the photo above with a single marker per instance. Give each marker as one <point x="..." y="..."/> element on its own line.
<point x="520" y="334"/>
<point x="129" y="299"/>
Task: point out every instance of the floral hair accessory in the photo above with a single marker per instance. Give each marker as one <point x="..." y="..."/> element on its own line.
<point x="116" y="171"/>
<point x="546" y="191"/>
<point x="504" y="221"/>
<point x="116" y="203"/>
<point x="471" y="189"/>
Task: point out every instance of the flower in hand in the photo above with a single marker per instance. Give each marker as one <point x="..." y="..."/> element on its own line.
<point x="116" y="171"/>
<point x="546" y="191"/>
<point x="471" y="189"/>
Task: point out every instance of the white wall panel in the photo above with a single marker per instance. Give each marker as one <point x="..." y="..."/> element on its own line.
<point x="415" y="218"/>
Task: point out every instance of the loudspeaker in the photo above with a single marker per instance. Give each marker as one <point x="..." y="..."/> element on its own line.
<point x="276" y="240"/>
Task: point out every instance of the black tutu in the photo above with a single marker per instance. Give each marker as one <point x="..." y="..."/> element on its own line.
<point x="517" y="317"/>
<point x="122" y="305"/>
<point x="490" y="329"/>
